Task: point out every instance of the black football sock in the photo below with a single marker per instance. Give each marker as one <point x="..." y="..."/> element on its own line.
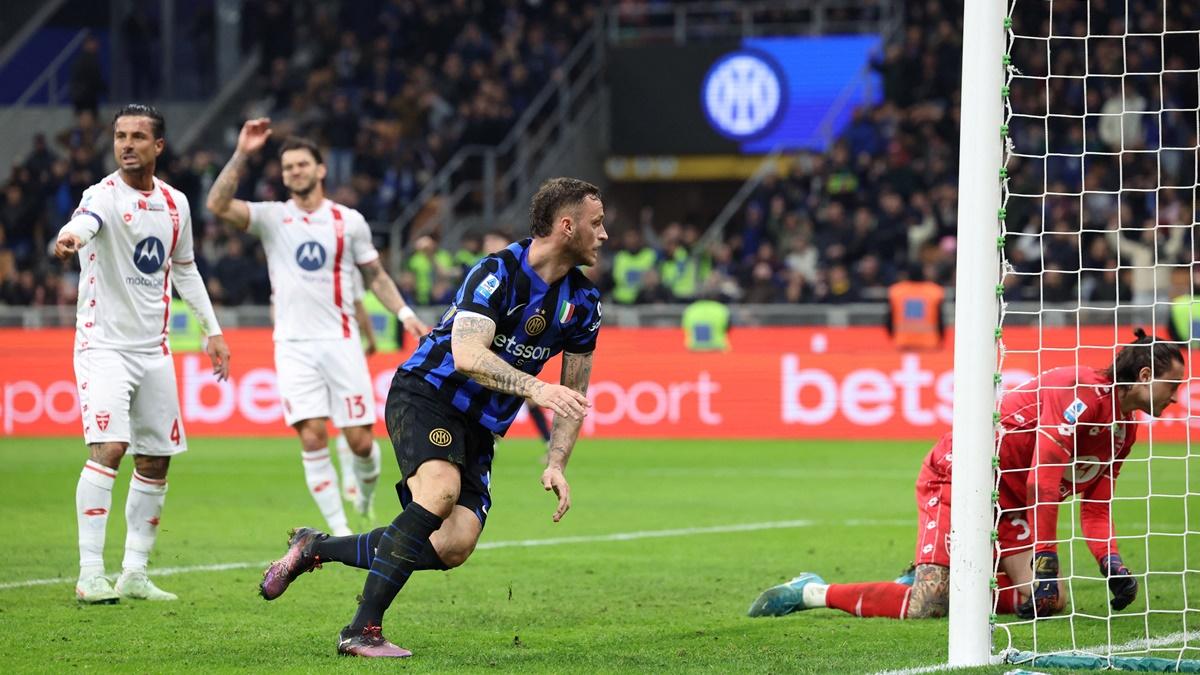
<point x="355" y="550"/>
<point x="396" y="558"/>
<point x="358" y="550"/>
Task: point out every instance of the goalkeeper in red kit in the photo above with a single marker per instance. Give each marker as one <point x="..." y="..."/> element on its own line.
<point x="1067" y="431"/>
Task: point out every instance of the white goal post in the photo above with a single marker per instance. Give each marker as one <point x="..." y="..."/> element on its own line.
<point x="976" y="317"/>
<point x="1079" y="177"/>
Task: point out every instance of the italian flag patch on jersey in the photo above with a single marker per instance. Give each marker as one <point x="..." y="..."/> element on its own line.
<point x="565" y="311"/>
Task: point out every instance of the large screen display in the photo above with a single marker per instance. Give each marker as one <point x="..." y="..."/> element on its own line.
<point x="747" y="97"/>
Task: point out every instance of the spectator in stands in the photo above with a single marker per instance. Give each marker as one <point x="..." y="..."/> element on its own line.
<point x="629" y="265"/>
<point x="87" y="83"/>
<point x="651" y="290"/>
<point x="494" y="240"/>
<point x="428" y="264"/>
<point x="762" y="286"/>
<point x="470" y="250"/>
<point x="22" y="224"/>
<point x="340" y="133"/>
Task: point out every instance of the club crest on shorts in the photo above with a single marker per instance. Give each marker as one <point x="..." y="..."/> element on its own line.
<point x="440" y="437"/>
<point x="102" y="420"/>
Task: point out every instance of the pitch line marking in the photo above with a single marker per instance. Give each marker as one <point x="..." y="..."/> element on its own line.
<point x="1140" y="644"/>
<point x="517" y="543"/>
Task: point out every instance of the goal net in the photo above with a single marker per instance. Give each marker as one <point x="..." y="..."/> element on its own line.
<point x="1098" y="210"/>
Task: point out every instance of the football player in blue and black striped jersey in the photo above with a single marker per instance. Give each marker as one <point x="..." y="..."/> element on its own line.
<point x="459" y="391"/>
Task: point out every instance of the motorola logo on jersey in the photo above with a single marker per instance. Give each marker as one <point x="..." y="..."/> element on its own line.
<point x="743" y="95"/>
<point x="148" y="255"/>
<point x="311" y="256"/>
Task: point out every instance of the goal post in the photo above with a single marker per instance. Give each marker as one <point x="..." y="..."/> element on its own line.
<point x="976" y="318"/>
<point x="1078" y="220"/>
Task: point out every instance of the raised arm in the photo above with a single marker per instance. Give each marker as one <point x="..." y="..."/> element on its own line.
<point x="576" y="371"/>
<point x="220" y="196"/>
<point x="470" y="343"/>
<point x="385" y="289"/>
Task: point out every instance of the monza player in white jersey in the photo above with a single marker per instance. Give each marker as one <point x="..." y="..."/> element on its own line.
<point x="351" y="492"/>
<point x="312" y="245"/>
<point x="133" y="234"/>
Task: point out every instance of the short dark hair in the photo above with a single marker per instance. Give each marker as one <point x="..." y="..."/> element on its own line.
<point x="300" y="143"/>
<point x="158" y="125"/>
<point x="552" y="197"/>
<point x="1145" y="351"/>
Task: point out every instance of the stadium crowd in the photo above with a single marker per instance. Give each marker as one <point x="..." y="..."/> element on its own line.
<point x="392" y="88"/>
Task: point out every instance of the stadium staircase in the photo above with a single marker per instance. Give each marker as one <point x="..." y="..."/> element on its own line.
<point x="562" y="132"/>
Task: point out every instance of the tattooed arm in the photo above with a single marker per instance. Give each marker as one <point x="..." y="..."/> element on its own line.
<point x="385" y="289"/>
<point x="471" y="345"/>
<point x="220" y="196"/>
<point x="576" y="371"/>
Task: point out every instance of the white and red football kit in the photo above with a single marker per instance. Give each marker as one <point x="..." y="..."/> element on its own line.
<point x="311" y="259"/>
<point x="132" y="241"/>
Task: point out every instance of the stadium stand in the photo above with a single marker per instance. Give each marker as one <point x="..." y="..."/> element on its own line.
<point x="834" y="228"/>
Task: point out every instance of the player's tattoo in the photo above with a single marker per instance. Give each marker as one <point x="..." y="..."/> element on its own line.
<point x="109" y="454"/>
<point x="220" y="196"/>
<point x="226" y="184"/>
<point x="486" y="368"/>
<point x="930" y="597"/>
<point x="576" y="372"/>
<point x="382" y="285"/>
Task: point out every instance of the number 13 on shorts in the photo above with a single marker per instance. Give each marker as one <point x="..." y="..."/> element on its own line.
<point x="355" y="407"/>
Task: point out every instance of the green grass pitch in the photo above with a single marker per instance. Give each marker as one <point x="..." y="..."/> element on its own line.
<point x="651" y="571"/>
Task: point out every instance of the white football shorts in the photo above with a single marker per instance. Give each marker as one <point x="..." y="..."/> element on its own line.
<point x="130" y="397"/>
<point x="325" y="378"/>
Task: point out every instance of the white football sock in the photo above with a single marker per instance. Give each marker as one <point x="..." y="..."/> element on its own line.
<point x="814" y="595"/>
<point x="345" y="462"/>
<point x="93" y="501"/>
<point x="142" y="510"/>
<point x="366" y="470"/>
<point x="322" y="480"/>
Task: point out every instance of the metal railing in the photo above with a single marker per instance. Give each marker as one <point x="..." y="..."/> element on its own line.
<point x="26" y="31"/>
<point x="49" y="79"/>
<point x="661" y="315"/>
<point x="684" y="22"/>
<point x="500" y="174"/>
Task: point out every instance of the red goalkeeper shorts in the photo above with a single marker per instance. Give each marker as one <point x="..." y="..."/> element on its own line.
<point x="933" y="513"/>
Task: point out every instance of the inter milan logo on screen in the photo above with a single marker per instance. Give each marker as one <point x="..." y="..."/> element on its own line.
<point x="743" y="95"/>
<point x="311" y="256"/>
<point x="148" y="255"/>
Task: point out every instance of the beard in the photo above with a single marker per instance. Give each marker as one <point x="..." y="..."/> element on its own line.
<point x="303" y="190"/>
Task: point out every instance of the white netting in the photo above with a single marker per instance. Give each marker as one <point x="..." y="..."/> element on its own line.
<point x="1100" y="181"/>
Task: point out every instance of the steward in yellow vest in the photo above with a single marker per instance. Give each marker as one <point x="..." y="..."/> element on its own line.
<point x="706" y="326"/>
<point x="185" y="334"/>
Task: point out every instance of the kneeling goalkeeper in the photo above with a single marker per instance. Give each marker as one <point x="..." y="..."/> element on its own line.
<point x="1067" y="431"/>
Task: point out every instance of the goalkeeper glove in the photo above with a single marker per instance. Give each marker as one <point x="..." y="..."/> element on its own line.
<point x="1121" y="583"/>
<point x="1043" y="601"/>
